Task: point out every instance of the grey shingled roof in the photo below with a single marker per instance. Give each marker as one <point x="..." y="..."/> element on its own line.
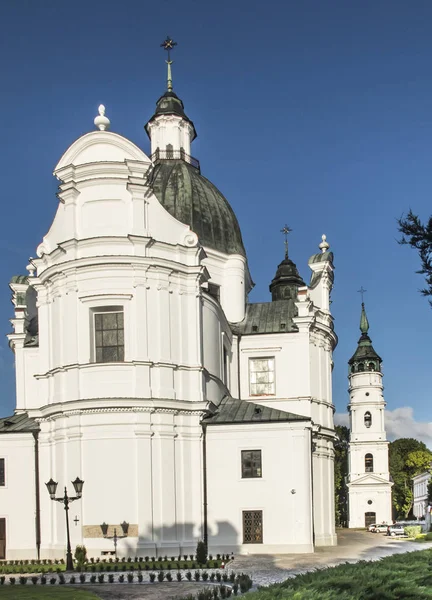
<point x="231" y="410"/>
<point x="19" y="423"/>
<point x="268" y="317"/>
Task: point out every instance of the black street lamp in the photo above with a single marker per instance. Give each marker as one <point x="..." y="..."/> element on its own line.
<point x="115" y="537"/>
<point x="66" y="500"/>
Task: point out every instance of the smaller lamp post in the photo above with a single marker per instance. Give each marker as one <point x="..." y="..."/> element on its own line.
<point x="66" y="500"/>
<point x="115" y="537"/>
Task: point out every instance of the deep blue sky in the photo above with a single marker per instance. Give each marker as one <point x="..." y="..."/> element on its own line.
<point x="316" y="114"/>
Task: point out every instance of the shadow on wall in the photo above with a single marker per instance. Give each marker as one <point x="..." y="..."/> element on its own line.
<point x="181" y="539"/>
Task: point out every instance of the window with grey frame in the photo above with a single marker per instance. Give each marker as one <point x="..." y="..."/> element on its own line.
<point x="262" y="376"/>
<point x="251" y="464"/>
<point x="2" y="472"/>
<point x="109" y="335"/>
<point x="252" y="527"/>
<point x="369" y="463"/>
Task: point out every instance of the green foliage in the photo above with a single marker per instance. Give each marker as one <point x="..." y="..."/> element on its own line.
<point x="340" y="474"/>
<point x="419" y="236"/>
<point x="413" y="530"/>
<point x="80" y="556"/>
<point x="201" y="553"/>
<point x="405" y="576"/>
<point x="407" y="456"/>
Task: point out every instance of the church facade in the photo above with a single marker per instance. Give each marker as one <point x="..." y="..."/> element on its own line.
<point x="142" y="369"/>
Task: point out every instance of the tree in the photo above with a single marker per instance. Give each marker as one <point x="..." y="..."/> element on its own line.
<point x="419" y="236"/>
<point x="340" y="474"/>
<point x="407" y="457"/>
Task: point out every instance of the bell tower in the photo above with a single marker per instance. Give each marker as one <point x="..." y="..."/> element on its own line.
<point x="369" y="485"/>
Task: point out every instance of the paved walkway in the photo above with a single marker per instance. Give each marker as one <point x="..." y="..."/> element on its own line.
<point x="352" y="547"/>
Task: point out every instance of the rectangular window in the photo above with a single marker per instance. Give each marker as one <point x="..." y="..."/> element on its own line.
<point x="2" y="472"/>
<point x="252" y="527"/>
<point x="109" y="336"/>
<point x="251" y="463"/>
<point x="262" y="376"/>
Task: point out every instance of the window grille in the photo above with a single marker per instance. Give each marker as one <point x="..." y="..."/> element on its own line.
<point x="251" y="463"/>
<point x="252" y="527"/>
<point x="109" y="336"/>
<point x="367" y="419"/>
<point x="369" y="466"/>
<point x="262" y="376"/>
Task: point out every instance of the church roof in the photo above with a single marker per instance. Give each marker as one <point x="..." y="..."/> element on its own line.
<point x="268" y="317"/>
<point x="365" y="350"/>
<point x="231" y="410"/>
<point x="18" y="423"/>
<point x="194" y="200"/>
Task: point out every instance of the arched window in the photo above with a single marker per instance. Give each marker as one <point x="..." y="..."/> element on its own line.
<point x="369" y="463"/>
<point x="169" y="151"/>
<point x="371" y="366"/>
<point x="361" y="367"/>
<point x="367" y="419"/>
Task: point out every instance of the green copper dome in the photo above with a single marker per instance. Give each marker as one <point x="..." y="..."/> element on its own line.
<point x="364" y="358"/>
<point x="170" y="104"/>
<point x="286" y="282"/>
<point x="194" y="200"/>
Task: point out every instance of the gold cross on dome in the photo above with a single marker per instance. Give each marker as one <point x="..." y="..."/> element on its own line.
<point x="168" y="45"/>
<point x="286" y="230"/>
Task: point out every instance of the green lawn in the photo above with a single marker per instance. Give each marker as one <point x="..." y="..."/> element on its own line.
<point x="43" y="592"/>
<point x="403" y="576"/>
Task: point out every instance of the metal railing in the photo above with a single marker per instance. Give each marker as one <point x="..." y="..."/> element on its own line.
<point x="161" y="155"/>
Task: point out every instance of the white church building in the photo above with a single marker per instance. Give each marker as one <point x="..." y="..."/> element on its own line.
<point x="369" y="483"/>
<point x="142" y="368"/>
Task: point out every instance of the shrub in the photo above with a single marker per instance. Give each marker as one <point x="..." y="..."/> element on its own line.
<point x="130" y="577"/>
<point x="161" y="576"/>
<point x="191" y="556"/>
<point x="110" y="578"/>
<point x="92" y="578"/>
<point x="140" y="577"/>
<point x="185" y="556"/>
<point x="62" y="579"/>
<point x="23" y="580"/>
<point x="146" y="558"/>
<point x="215" y="592"/>
<point x="179" y="576"/>
<point x="189" y="576"/>
<point x="72" y="579"/>
<point x="235" y="588"/>
<point x="204" y="575"/>
<point x="185" y="566"/>
<point x="245" y="582"/>
<point x="232" y="577"/>
<point x="101" y="578"/>
<point x="11" y="580"/>
<point x="80" y="556"/>
<point x="215" y="564"/>
<point x="197" y="575"/>
<point x="165" y="558"/>
<point x="201" y="553"/>
<point x="121" y="578"/>
<point x="172" y="558"/>
<point x="152" y="577"/>
<point x="168" y="577"/>
<point x="223" y="591"/>
<point x="412" y="530"/>
<point x="53" y="580"/>
<point x="153" y="559"/>
<point x="43" y="580"/>
<point x="169" y="566"/>
<point x="212" y="576"/>
<point x="225" y="576"/>
<point x="34" y="580"/>
<point x="82" y="578"/>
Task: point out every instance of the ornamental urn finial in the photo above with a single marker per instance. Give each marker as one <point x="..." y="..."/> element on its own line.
<point x="101" y="121"/>
<point x="324" y="246"/>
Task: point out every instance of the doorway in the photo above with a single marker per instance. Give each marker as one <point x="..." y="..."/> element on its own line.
<point x="2" y="539"/>
<point x="370" y="518"/>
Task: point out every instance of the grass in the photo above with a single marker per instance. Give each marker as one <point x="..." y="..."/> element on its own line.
<point x="407" y="576"/>
<point x="25" y="592"/>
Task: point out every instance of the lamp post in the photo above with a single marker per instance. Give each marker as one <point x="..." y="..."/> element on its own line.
<point x="66" y="500"/>
<point x="115" y="537"/>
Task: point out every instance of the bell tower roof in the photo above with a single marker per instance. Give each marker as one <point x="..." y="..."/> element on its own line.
<point x="287" y="280"/>
<point x="365" y="358"/>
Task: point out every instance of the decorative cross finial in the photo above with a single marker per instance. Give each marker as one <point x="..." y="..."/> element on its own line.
<point x="286" y="230"/>
<point x="168" y="45"/>
<point x="362" y="292"/>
